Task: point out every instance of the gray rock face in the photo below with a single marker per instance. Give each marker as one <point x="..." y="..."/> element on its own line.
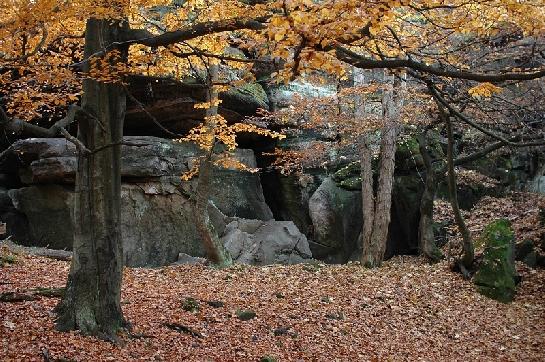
<point x="157" y="213"/>
<point x="31" y="149"/>
<point x="236" y="193"/>
<point x="156" y="219"/>
<point x="239" y="194"/>
<point x="245" y="99"/>
<point x="337" y="218"/>
<point x="50" y="170"/>
<point x="259" y="242"/>
<point x="53" y="160"/>
<point x="156" y="224"/>
<point x="49" y="214"/>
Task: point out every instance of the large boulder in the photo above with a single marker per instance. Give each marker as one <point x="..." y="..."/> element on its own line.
<point x="156" y="225"/>
<point x="236" y="193"/>
<point x="337" y="218"/>
<point x="258" y="242"/>
<point x="288" y="197"/>
<point x="48" y="209"/>
<point x="497" y="277"/>
<point x="157" y="211"/>
<point x="246" y="99"/>
<point x="239" y="194"/>
<point x="157" y="219"/>
<point x="53" y="160"/>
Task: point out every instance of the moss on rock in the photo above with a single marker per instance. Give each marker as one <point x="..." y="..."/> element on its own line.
<point x="496" y="277"/>
<point x="246" y="98"/>
<point x="351" y="184"/>
<point x="348" y="177"/>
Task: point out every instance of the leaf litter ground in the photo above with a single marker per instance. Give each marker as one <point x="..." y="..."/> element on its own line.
<point x="406" y="310"/>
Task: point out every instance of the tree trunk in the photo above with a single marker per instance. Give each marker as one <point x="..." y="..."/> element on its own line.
<point x="468" y="250"/>
<point x="215" y="251"/>
<point x="383" y="200"/>
<point x="426" y="237"/>
<point x="374" y="241"/>
<point x="366" y="164"/>
<point x="93" y="291"/>
<point x="367" y="196"/>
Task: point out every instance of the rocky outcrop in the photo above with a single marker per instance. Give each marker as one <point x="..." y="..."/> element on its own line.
<point x="48" y="210"/>
<point x="157" y="212"/>
<point x="337" y="218"/>
<point x="257" y="242"/>
<point x="171" y="103"/>
<point x="156" y="219"/>
<point x="53" y="160"/>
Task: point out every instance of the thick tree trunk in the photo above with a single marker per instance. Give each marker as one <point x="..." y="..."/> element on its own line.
<point x="468" y="250"/>
<point x="215" y="251"/>
<point x="93" y="291"/>
<point x="426" y="237"/>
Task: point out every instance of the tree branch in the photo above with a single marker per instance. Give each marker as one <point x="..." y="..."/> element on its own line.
<point x="20" y="126"/>
<point x="37" y="48"/>
<point x="362" y="62"/>
<point x="453" y="111"/>
<point x="144" y="37"/>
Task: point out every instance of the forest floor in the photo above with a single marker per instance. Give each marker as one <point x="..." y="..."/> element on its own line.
<point x="405" y="310"/>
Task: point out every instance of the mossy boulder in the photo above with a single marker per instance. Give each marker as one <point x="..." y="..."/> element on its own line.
<point x="245" y="99"/>
<point x="496" y="277"/>
<point x="336" y="217"/>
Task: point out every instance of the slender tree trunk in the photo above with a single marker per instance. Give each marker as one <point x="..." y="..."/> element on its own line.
<point x="383" y="200"/>
<point x="367" y="196"/>
<point x="468" y="250"/>
<point x="366" y="164"/>
<point x="93" y="291"/>
<point x="426" y="237"/>
<point x="374" y="245"/>
<point x="215" y="251"/>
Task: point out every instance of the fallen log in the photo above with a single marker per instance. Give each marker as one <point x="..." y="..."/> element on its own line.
<point x="32" y="294"/>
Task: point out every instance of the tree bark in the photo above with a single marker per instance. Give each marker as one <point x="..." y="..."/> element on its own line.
<point x="426" y="237"/>
<point x="215" y="251"/>
<point x="376" y="247"/>
<point x="367" y="196"/>
<point x="374" y="241"/>
<point x="467" y="245"/>
<point x="93" y="290"/>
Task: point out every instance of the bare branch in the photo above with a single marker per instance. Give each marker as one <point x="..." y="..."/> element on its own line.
<point x="458" y="114"/>
<point x="362" y="62"/>
<point x="79" y="145"/>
